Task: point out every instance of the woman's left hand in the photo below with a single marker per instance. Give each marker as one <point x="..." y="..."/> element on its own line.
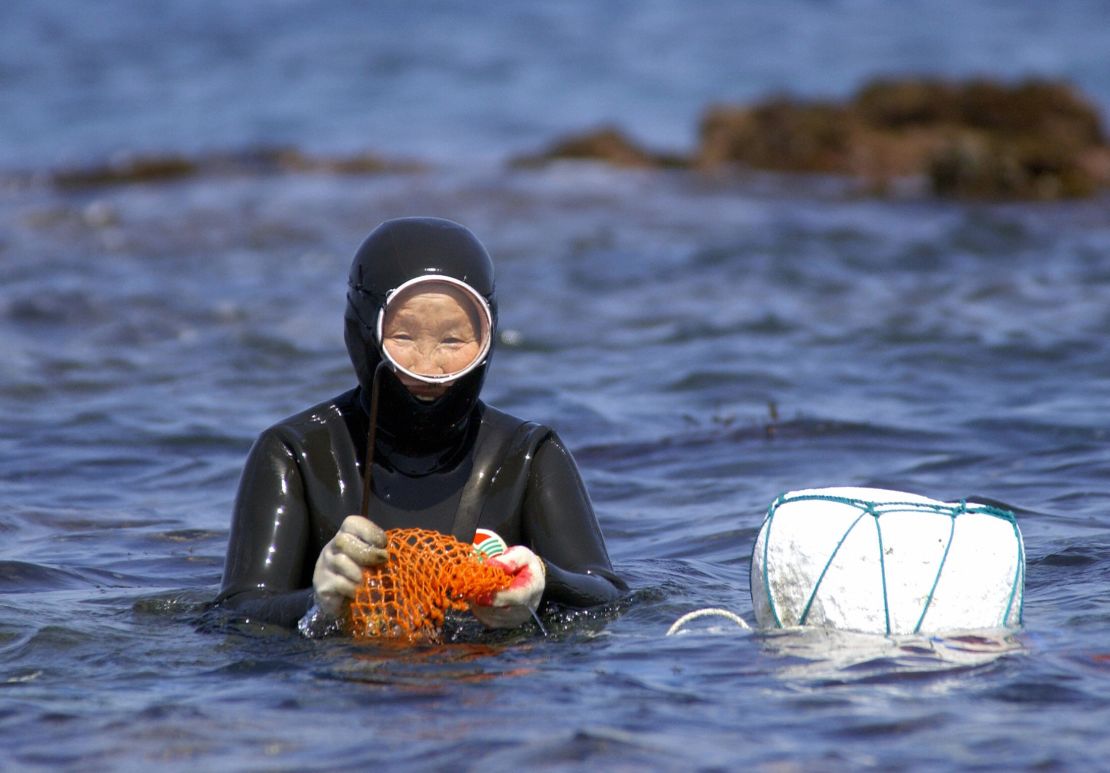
<point x="514" y="605"/>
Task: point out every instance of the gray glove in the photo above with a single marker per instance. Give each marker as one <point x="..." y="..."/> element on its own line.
<point x="359" y="543"/>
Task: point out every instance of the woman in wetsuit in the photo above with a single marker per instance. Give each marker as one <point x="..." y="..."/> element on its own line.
<point x="421" y="319"/>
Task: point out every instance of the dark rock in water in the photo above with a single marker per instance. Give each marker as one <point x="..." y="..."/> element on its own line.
<point x="363" y="163"/>
<point x="1034" y="108"/>
<point x="1033" y="140"/>
<point x="606" y="144"/>
<point x="982" y="139"/>
<point x="979" y="138"/>
<point x="136" y="169"/>
<point x="903" y="104"/>
<point x="973" y="139"/>
<point x="976" y="166"/>
<point x="779" y="135"/>
<point x="154" y="168"/>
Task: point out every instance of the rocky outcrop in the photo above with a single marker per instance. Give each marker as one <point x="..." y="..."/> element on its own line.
<point x="608" y="144"/>
<point x="166" y="168"/>
<point x="982" y="139"/>
<point x="971" y="139"/>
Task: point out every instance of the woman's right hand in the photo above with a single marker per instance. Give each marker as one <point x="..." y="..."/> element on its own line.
<point x="358" y="543"/>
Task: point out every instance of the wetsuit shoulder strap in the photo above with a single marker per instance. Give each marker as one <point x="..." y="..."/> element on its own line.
<point x="506" y="447"/>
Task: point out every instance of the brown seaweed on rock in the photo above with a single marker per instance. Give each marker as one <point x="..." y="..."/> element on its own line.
<point x="975" y="139"/>
<point x="981" y="139"/>
<point x="970" y="139"/>
<point x="1035" y="140"/>
<point x="780" y="135"/>
<point x="167" y="168"/>
<point x="607" y="144"/>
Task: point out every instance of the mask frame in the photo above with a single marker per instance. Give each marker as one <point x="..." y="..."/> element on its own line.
<point x="479" y="302"/>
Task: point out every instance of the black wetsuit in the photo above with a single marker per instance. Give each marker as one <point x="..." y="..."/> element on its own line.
<point x="452" y="464"/>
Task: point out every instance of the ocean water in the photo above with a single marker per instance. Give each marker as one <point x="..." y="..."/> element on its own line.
<point x="702" y="343"/>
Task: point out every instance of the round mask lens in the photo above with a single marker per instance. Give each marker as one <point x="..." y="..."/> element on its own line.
<point x="434" y="329"/>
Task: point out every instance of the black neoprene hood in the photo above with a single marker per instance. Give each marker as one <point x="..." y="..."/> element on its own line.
<point x="395" y="252"/>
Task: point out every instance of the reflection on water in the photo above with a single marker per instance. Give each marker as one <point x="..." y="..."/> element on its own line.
<point x="829" y="656"/>
<point x="420" y="668"/>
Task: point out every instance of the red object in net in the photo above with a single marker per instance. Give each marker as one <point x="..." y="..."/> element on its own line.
<point x="426" y="575"/>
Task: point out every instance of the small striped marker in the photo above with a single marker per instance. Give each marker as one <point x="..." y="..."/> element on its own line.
<point x="489" y="543"/>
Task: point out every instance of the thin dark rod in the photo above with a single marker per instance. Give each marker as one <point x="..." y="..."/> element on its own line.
<point x="371" y="435"/>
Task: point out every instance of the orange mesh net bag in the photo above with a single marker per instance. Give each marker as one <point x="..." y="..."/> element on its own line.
<point x="426" y="575"/>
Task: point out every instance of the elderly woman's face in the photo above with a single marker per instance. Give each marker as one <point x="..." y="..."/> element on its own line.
<point x="431" y="333"/>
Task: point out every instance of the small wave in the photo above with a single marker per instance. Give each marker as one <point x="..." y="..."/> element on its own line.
<point x="830" y="657"/>
<point x="174" y="604"/>
<point x="27" y="577"/>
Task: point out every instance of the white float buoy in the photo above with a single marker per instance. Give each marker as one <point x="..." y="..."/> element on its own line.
<point x="886" y="562"/>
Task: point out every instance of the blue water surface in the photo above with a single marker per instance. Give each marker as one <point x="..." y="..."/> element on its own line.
<point x="701" y="343"/>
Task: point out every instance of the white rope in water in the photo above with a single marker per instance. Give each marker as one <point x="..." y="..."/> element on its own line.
<point x="707" y="612"/>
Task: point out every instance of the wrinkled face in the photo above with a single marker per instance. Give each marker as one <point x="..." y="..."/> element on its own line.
<point x="434" y="334"/>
